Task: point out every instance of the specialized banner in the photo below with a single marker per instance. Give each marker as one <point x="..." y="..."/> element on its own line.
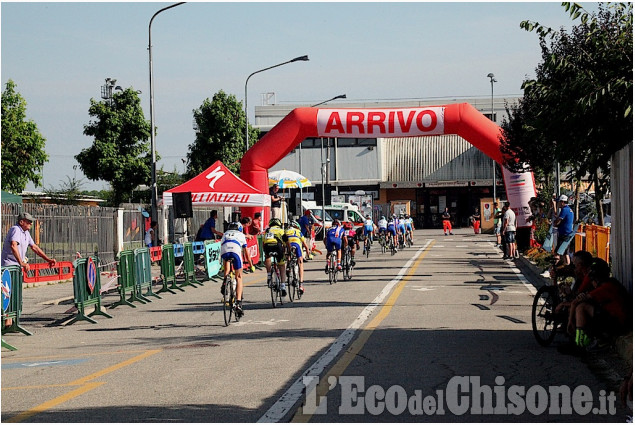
<point x="254" y="252"/>
<point x="520" y="189"/>
<point x="212" y="258"/>
<point x="402" y="122"/>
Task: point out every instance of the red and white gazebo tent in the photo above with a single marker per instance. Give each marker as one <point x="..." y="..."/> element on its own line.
<point x="218" y="186"/>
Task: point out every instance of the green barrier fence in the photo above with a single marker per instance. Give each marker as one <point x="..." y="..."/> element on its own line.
<point x="126" y="272"/>
<point x="143" y="273"/>
<point x="189" y="268"/>
<point x="168" y="272"/>
<point x="87" y="289"/>
<point x="212" y="259"/>
<point x="12" y="297"/>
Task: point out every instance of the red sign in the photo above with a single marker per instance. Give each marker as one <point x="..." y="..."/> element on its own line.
<point x="402" y="122"/>
<point x="91" y="274"/>
<point x="254" y="252"/>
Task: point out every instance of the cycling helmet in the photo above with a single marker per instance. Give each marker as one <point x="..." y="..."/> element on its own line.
<point x="307" y="212"/>
<point x="275" y="222"/>
<point x="383" y="217"/>
<point x="235" y="226"/>
<point x="400" y="215"/>
<point x="367" y="215"/>
<point x="295" y="224"/>
<point x="394" y="216"/>
<point x="348" y="225"/>
<point x="336" y="222"/>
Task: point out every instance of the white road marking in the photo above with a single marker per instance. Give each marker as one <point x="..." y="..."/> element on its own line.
<point x="286" y="402"/>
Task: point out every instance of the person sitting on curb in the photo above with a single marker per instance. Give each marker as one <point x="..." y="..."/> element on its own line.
<point x="603" y="312"/>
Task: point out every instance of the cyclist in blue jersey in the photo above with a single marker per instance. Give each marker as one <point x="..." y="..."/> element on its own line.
<point x="392" y="228"/>
<point x="409" y="226"/>
<point x="333" y="241"/>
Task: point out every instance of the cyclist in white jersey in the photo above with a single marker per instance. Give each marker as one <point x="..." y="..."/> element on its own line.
<point x="233" y="248"/>
<point x="369" y="227"/>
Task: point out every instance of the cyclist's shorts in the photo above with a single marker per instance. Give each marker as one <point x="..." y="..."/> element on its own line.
<point x="402" y="228"/>
<point x="236" y="260"/>
<point x="382" y="230"/>
<point x="277" y="250"/>
<point x="352" y="242"/>
<point x="368" y="229"/>
<point x="333" y="244"/>
<point x="295" y="247"/>
<point x="392" y="231"/>
<point x="409" y="227"/>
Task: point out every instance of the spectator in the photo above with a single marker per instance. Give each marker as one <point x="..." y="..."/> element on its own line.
<point x="306" y="223"/>
<point x="447" y="224"/>
<point x="498" y="214"/>
<point x="276" y="202"/>
<point x="581" y="263"/>
<point x="256" y="224"/>
<point x="601" y="313"/>
<point x="208" y="229"/>
<point x="564" y="223"/>
<point x="17" y="242"/>
<point x="149" y="237"/>
<point x="15" y="245"/>
<point x="476" y="221"/>
<point x="509" y="231"/>
<point x="246" y="223"/>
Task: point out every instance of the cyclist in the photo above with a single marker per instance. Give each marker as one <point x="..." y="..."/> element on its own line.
<point x="234" y="249"/>
<point x="369" y="227"/>
<point x="333" y="242"/>
<point x="306" y="223"/>
<point x="382" y="224"/>
<point x="294" y="244"/>
<point x="273" y="243"/>
<point x="351" y="237"/>
<point x="392" y="228"/>
<point x="401" y="226"/>
<point x="409" y="226"/>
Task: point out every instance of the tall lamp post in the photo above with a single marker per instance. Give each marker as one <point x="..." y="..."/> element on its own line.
<point x="323" y="164"/>
<point x="299" y="58"/>
<point x="492" y="80"/>
<point x="153" y="209"/>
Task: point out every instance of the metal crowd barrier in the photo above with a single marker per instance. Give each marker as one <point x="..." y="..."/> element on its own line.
<point x="168" y="272"/>
<point x="12" y="302"/>
<point x="87" y="289"/>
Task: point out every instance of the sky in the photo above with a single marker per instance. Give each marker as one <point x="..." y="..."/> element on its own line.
<point x="59" y="55"/>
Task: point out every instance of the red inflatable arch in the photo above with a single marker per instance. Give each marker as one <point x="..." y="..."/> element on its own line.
<point x="461" y="119"/>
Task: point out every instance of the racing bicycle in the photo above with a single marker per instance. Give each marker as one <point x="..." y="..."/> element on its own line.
<point x="230" y="303"/>
<point x="293" y="277"/>
<point x="347" y="263"/>
<point x="331" y="266"/>
<point x="274" y="281"/>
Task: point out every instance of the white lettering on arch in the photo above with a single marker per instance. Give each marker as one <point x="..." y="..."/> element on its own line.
<point x="402" y="122"/>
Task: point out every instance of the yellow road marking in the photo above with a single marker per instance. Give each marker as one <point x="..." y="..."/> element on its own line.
<point x="338" y="369"/>
<point x="84" y="386"/>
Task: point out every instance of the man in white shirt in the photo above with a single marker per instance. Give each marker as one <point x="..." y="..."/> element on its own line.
<point x="509" y="231"/>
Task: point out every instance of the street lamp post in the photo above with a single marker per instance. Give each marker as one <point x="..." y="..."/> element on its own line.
<point x="492" y="80"/>
<point x="299" y="58"/>
<point x="153" y="209"/>
<point x="323" y="164"/>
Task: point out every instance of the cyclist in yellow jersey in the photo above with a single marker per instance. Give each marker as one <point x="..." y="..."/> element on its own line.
<point x="273" y="243"/>
<point x="294" y="243"/>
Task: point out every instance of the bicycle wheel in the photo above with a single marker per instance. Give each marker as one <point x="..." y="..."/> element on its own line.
<point x="409" y="241"/>
<point x="237" y="316"/>
<point x="293" y="278"/>
<point x="275" y="283"/>
<point x="543" y="317"/>
<point x="228" y="300"/>
<point x="367" y="246"/>
<point x="382" y="242"/>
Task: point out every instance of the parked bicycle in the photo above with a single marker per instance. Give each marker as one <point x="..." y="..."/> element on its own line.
<point x="545" y="322"/>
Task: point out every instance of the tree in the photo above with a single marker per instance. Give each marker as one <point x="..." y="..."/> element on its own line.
<point x="69" y="191"/>
<point x="578" y="109"/>
<point x="23" y="154"/>
<point x="220" y="134"/>
<point x="120" y="153"/>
